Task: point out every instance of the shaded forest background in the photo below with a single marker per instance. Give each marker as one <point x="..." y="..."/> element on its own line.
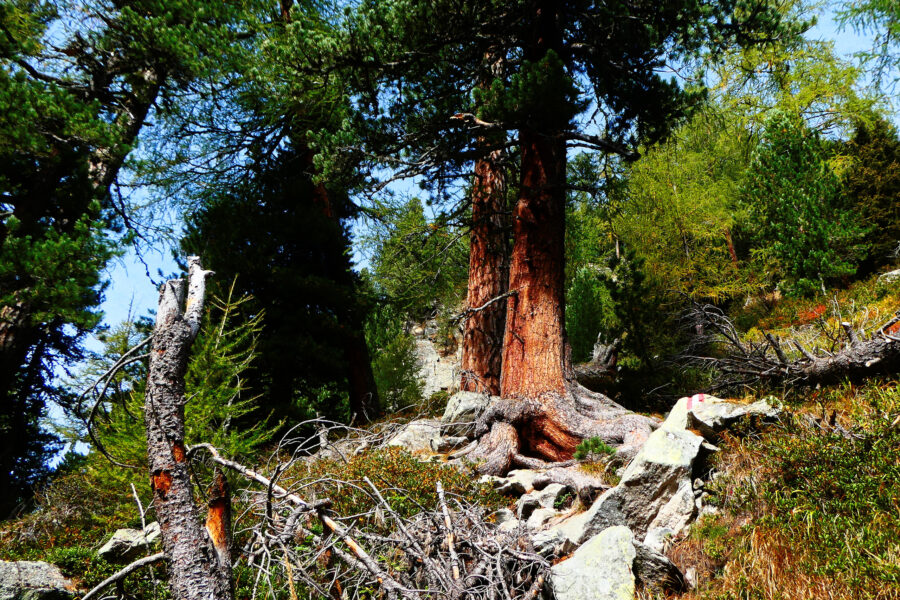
<point x="277" y="137"/>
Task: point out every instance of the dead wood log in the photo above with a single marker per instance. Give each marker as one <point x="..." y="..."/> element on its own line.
<point x="600" y="372"/>
<point x="198" y="567"/>
<point x="740" y="362"/>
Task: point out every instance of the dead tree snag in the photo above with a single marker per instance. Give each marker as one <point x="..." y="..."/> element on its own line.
<point x="199" y="568"/>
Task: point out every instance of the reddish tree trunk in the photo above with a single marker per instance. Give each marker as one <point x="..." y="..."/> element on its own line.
<point x="535" y="357"/>
<point x="545" y="413"/>
<point x="482" y="353"/>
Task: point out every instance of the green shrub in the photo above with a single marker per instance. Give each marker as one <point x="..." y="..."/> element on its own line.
<point x="593" y="446"/>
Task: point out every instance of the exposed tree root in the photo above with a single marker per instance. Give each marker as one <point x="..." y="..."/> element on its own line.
<point x="549" y="428"/>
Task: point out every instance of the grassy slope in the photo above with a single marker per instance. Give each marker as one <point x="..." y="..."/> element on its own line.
<point x="806" y="511"/>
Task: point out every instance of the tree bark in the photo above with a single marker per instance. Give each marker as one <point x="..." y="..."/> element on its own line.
<point x="482" y="354"/>
<point x="198" y="569"/>
<point x="535" y="360"/>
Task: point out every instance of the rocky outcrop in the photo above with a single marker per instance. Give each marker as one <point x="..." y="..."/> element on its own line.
<point x="33" y="580"/>
<point x="126" y="545"/>
<point x="438" y="373"/>
<point x="601" y="569"/>
<point x="659" y="493"/>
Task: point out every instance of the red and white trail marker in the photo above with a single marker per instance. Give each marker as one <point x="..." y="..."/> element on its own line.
<point x="697" y="397"/>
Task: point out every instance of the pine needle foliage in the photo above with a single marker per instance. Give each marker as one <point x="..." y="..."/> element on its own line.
<point x="798" y="214"/>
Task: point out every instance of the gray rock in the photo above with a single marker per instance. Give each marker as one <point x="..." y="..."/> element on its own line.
<point x="127" y="544"/>
<point x="539" y="517"/>
<point x="442" y="445"/>
<point x="545" y="498"/>
<point x="655" y="491"/>
<point x="551" y="542"/>
<point x="438" y="373"/>
<point x="678" y="512"/>
<point x="463" y="409"/>
<point x="598" y="570"/>
<point x="416" y="436"/>
<point x="659" y="539"/>
<point x="655" y="572"/>
<point x="518" y="482"/>
<point x="33" y="580"/>
<point x="712" y="415"/>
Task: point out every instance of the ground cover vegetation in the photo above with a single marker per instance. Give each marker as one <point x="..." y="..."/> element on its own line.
<point x="706" y="201"/>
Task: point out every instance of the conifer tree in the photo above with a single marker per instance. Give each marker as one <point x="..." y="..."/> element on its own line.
<point x="798" y="211"/>
<point x="419" y="66"/>
<point x="77" y="84"/>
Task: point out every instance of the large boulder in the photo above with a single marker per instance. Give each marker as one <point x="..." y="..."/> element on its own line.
<point x="33" y="580"/>
<point x="127" y="544"/>
<point x="710" y="415"/>
<point x="463" y="409"/>
<point x="655" y="491"/>
<point x="601" y="569"/>
<point x="416" y="436"/>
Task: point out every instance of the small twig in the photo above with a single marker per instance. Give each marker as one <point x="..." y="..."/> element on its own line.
<point x="454" y="558"/>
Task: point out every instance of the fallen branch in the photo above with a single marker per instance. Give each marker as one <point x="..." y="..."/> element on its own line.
<point x="745" y="362"/>
<point x="124" y="572"/>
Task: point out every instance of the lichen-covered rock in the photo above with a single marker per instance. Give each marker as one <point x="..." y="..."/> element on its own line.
<point x="656" y="490"/>
<point x="127" y="544"/>
<point x="463" y="409"/>
<point x="33" y="580"/>
<point x="416" y="436"/>
<point x="601" y="569"/>
<point x="710" y="415"/>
